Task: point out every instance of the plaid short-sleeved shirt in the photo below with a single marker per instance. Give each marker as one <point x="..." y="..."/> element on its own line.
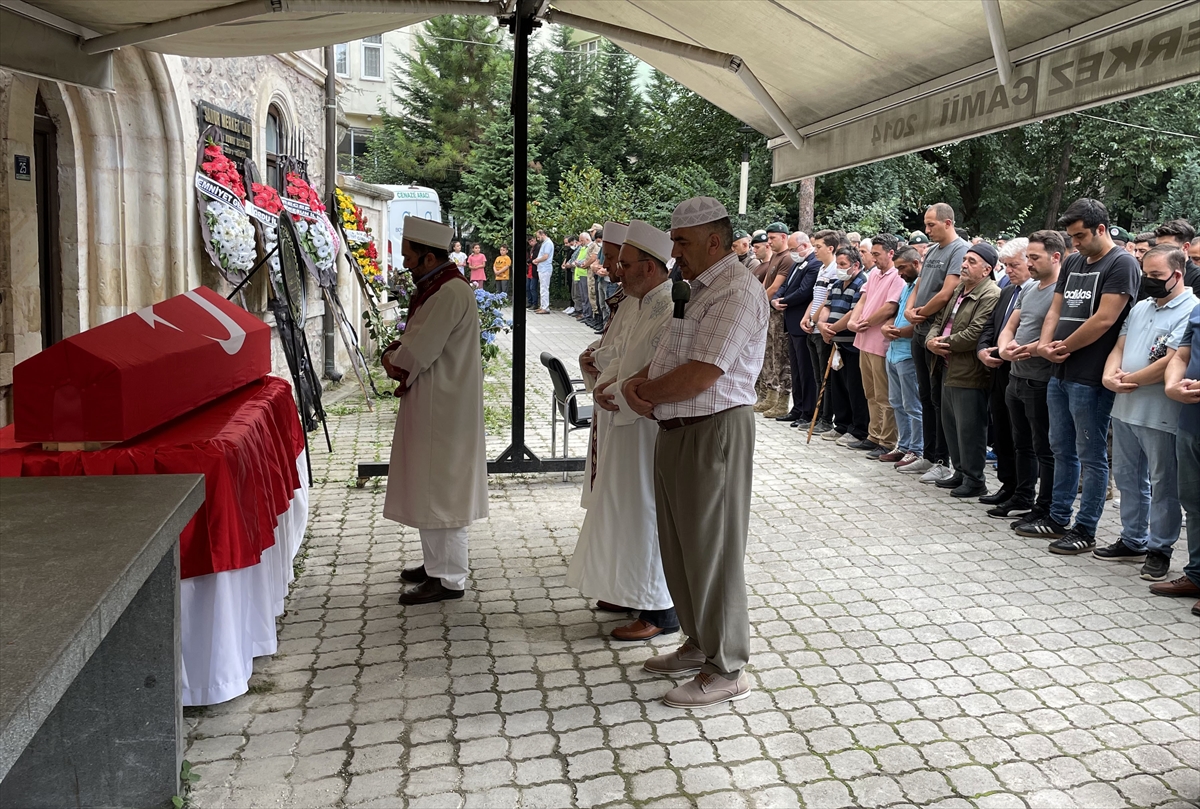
<point x="724" y="324"/>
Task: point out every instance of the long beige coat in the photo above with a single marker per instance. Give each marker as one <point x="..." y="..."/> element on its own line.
<point x="438" y="472"/>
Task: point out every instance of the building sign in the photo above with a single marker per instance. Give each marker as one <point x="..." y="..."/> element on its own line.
<point x="238" y="130"/>
<point x="22" y="169"/>
<point x="1154" y="54"/>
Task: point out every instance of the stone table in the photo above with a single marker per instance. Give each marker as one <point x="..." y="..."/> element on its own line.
<point x="90" y="712"/>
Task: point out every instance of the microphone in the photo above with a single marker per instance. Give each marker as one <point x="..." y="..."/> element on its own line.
<point x="681" y="293"/>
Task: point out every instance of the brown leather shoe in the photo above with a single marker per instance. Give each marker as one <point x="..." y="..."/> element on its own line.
<point x="641" y="630"/>
<point x="429" y="592"/>
<point x="891" y="457"/>
<point x="605" y="606"/>
<point x="1183" y="586"/>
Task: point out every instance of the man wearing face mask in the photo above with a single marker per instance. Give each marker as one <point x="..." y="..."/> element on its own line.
<point x="437" y="480"/>
<point x="955" y="338"/>
<point x="1144" y="420"/>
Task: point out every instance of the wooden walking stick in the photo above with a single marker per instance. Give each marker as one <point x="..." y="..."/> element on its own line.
<point x="821" y="394"/>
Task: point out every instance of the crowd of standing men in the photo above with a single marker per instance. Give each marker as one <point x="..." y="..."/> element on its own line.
<point x="932" y="349"/>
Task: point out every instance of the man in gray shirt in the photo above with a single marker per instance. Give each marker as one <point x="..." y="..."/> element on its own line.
<point x="939" y="277"/>
<point x="1027" y="378"/>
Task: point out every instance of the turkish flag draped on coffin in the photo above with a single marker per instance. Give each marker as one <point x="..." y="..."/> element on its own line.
<point x="120" y="379"/>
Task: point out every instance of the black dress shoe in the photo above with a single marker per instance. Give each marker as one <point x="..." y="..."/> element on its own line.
<point x="1002" y="496"/>
<point x="950" y="483"/>
<point x="429" y="592"/>
<point x="968" y="490"/>
<point x="792" y="416"/>
<point x="1009" y="508"/>
<point x="415" y="575"/>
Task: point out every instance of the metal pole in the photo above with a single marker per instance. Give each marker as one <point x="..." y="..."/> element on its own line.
<point x="522" y="25"/>
<point x="744" y="189"/>
<point x="328" y="321"/>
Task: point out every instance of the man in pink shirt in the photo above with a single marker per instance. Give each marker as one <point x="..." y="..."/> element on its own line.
<point x="876" y="308"/>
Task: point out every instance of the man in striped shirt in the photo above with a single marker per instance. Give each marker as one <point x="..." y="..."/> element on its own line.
<point x="700" y="388"/>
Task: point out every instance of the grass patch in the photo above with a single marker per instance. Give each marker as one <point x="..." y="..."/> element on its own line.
<point x="497" y="387"/>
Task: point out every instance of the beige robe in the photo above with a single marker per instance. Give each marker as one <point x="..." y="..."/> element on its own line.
<point x="438" y="472"/>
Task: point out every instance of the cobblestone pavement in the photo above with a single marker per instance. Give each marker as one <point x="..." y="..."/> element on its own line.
<point x="907" y="651"/>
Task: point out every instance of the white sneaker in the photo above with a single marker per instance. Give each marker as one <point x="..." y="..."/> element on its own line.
<point x="938" y="472"/>
<point x="570" y="310"/>
<point x="832" y="435"/>
<point x="845" y="439"/>
<point x="918" y="467"/>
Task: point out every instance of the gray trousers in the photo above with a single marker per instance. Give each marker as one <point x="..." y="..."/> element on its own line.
<point x="964" y="417"/>
<point x="702" y="479"/>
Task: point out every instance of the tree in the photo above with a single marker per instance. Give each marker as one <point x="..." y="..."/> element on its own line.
<point x="1183" y="193"/>
<point x="560" y="84"/>
<point x="449" y="90"/>
<point x="617" y="112"/>
<point x="485" y="202"/>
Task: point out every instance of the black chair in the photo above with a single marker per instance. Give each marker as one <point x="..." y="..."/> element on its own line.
<point x="565" y="403"/>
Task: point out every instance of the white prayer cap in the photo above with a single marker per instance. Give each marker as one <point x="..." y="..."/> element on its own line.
<point x="697" y="211"/>
<point x="644" y="236"/>
<point x="428" y="232"/>
<point x="614" y="232"/>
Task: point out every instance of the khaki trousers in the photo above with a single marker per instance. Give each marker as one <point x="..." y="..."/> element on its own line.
<point x="702" y="480"/>
<point x="882" y="429"/>
<point x="591" y="294"/>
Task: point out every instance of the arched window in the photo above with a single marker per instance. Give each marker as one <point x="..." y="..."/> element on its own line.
<point x="275" y="137"/>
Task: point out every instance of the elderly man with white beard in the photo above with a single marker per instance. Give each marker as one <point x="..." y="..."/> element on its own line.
<point x="617" y="558"/>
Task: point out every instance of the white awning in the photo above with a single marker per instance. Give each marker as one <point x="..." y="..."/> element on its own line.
<point x="834" y="84"/>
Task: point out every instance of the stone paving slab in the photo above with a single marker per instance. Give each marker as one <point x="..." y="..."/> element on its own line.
<point x="907" y="651"/>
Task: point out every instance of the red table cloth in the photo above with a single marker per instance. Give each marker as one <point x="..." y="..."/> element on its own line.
<point x="245" y="443"/>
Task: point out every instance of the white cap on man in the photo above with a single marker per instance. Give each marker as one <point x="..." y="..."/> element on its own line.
<point x="428" y="232"/>
<point x="697" y="211"/>
<point x="614" y="232"/>
<point x="650" y="239"/>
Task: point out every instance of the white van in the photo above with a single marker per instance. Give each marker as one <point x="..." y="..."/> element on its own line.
<point x="408" y="200"/>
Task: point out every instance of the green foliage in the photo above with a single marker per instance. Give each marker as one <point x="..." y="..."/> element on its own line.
<point x="187" y="777"/>
<point x="617" y="112"/>
<point x="561" y="89"/>
<point x="585" y="196"/>
<point x="1183" y="193"/>
<point x="449" y="90"/>
<point x="882" y="215"/>
<point x="485" y="202"/>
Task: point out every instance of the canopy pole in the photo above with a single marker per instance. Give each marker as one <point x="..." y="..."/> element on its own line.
<point x="696" y="53"/>
<point x="518" y="457"/>
<point x="258" y="8"/>
<point x="995" y="24"/>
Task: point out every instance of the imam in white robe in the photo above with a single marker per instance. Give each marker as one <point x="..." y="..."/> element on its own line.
<point x="617" y="557"/>
<point x="605" y="353"/>
<point x="438" y="472"/>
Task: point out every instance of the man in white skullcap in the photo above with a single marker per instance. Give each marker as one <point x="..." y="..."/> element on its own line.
<point x="600" y="359"/>
<point x="617" y="557"/>
<point x="700" y="388"/>
<point x="437" y="480"/>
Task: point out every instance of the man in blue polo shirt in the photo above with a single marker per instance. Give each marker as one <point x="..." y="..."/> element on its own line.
<point x="1182" y="381"/>
<point x="1144" y="420"/>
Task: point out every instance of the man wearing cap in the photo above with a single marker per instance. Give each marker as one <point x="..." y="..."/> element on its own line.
<point x="437" y="480"/>
<point x="954" y="338"/>
<point x="776" y="375"/>
<point x="599" y="362"/>
<point x="741" y="246"/>
<point x="700" y="388"/>
<point x="617" y="559"/>
<point x="919" y="242"/>
<point x="762" y="252"/>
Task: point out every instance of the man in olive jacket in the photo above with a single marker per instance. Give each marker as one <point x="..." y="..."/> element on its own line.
<point x="954" y="338"/>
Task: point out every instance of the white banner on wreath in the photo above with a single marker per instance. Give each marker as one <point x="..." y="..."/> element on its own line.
<point x="261" y="214"/>
<point x="297" y="208"/>
<point x="214" y="190"/>
<point x="357" y="236"/>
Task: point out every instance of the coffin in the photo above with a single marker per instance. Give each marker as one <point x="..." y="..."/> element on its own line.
<point x="120" y="379"/>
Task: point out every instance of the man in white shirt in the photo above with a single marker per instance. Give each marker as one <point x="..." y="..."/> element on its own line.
<point x="544" y="264"/>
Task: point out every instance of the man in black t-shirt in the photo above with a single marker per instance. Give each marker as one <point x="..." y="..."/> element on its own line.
<point x="1095" y="287"/>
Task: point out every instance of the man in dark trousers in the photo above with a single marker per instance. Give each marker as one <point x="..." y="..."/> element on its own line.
<point x="1012" y="255"/>
<point x="793" y="299"/>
